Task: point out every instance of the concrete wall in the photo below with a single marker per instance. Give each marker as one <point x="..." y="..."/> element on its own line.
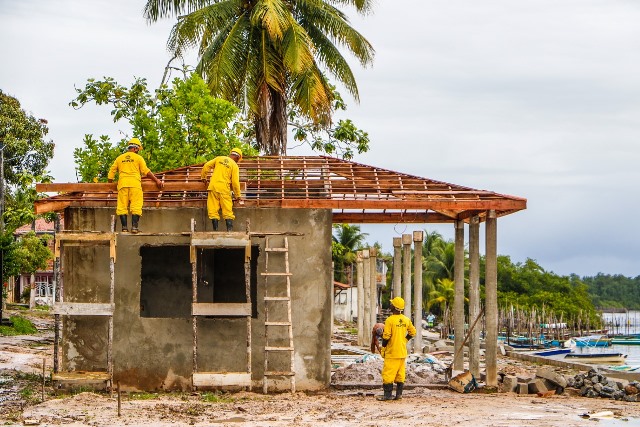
<point x="346" y="305"/>
<point x="156" y="353"/>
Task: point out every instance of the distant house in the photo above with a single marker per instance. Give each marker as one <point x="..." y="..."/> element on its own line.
<point x="42" y="280"/>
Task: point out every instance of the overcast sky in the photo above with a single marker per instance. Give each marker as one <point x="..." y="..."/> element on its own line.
<point x="538" y="99"/>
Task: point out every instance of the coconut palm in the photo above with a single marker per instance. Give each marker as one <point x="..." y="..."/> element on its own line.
<point x="262" y="54"/>
<point x="348" y="238"/>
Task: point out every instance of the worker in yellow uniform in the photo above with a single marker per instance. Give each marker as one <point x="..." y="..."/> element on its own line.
<point x="131" y="167"/>
<point x="398" y="330"/>
<point x="225" y="177"/>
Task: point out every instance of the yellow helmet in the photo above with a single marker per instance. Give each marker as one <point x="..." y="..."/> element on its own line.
<point x="136" y="142"/>
<point x="237" y="151"/>
<point x="398" y="303"/>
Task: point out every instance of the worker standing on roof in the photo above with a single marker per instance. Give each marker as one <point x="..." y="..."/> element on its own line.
<point x="398" y="329"/>
<point x="131" y="167"/>
<point x="376" y="337"/>
<point x="225" y="177"/>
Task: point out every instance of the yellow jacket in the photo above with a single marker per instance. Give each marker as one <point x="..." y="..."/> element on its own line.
<point x="396" y="328"/>
<point x="131" y="168"/>
<point x="226" y="173"/>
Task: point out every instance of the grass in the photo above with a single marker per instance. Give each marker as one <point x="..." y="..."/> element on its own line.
<point x="21" y="326"/>
<point x="216" y="397"/>
<point x="143" y="396"/>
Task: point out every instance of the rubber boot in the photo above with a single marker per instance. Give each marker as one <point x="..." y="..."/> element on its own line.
<point x="399" y="387"/>
<point x="134" y="223"/>
<point x="123" y="221"/>
<point x="215" y="224"/>
<point x="388" y="390"/>
<point x="229" y="223"/>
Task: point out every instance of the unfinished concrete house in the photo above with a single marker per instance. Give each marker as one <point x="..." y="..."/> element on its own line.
<point x="179" y="306"/>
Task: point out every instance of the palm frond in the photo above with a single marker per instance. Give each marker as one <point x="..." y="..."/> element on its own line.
<point x="273" y="16"/>
<point x="157" y="9"/>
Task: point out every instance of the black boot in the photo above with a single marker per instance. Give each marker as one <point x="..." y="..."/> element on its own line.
<point x="123" y="221"/>
<point x="388" y="389"/>
<point x="215" y="224"/>
<point x="134" y="223"/>
<point x="399" y="387"/>
<point x="229" y="223"/>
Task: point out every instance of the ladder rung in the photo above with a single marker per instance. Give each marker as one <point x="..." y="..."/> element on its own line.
<point x="278" y="348"/>
<point x="276" y="249"/>
<point x="277" y="299"/>
<point x="279" y="374"/>
<point x="277" y="323"/>
<point x="276" y="274"/>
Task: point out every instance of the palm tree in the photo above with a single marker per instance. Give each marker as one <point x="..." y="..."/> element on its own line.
<point x="262" y="54"/>
<point x="349" y="239"/>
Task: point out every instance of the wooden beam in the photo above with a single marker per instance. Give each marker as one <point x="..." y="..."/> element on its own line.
<point x="436" y="205"/>
<point x="221" y="309"/>
<point x="83" y="309"/>
<point x="215" y="379"/>
<point x="389" y="218"/>
<point x="105" y="187"/>
<point x="220" y="239"/>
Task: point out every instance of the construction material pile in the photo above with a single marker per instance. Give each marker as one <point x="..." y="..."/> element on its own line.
<point x="367" y="370"/>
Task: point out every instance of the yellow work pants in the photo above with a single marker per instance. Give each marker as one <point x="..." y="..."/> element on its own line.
<point x="393" y="371"/>
<point x="215" y="201"/>
<point x="129" y="198"/>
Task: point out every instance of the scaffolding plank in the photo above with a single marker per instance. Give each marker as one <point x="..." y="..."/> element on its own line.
<point x="220" y="309"/>
<point x="83" y="309"/>
<point x="81" y="376"/>
<point x="89" y="237"/>
<point x="214" y="379"/>
<point x="220" y="239"/>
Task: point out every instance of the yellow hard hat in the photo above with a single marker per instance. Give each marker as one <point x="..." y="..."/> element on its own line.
<point x="237" y="151"/>
<point x="398" y="303"/>
<point x="136" y="142"/>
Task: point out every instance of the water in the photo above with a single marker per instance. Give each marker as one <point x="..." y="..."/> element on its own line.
<point x="622" y="324"/>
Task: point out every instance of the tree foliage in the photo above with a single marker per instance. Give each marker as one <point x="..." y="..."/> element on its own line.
<point x="263" y="55"/>
<point x="347" y="240"/>
<point x="27" y="254"/>
<point x="614" y="291"/>
<point x="179" y="125"/>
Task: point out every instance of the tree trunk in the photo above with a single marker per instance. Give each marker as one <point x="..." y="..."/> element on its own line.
<point x="271" y="123"/>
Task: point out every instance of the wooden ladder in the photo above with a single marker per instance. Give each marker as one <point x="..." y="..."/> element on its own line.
<point x="203" y="240"/>
<point x="61" y="308"/>
<point x="271" y="299"/>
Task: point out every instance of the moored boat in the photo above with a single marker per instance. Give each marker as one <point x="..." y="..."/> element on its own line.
<point x="605" y="358"/>
<point x="553" y="352"/>
<point x="593" y="341"/>
<point x="625" y="340"/>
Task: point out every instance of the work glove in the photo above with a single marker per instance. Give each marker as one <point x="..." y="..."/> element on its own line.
<point x="383" y="350"/>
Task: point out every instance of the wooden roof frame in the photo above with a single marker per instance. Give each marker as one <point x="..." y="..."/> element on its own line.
<point x="356" y="193"/>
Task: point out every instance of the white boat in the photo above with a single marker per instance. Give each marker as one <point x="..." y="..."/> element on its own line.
<point x="599" y="358"/>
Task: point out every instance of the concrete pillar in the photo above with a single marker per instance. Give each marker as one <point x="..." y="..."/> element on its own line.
<point x="367" y="326"/>
<point x="418" y="236"/>
<point x="32" y="294"/>
<point x="491" y="291"/>
<point x="406" y="273"/>
<point x="397" y="267"/>
<point x="458" y="302"/>
<point x="373" y="260"/>
<point x="474" y="295"/>
<point x="360" y="287"/>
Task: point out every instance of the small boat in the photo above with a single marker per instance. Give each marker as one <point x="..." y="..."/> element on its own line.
<point x="626" y="340"/>
<point x="593" y="341"/>
<point x="602" y="358"/>
<point x="553" y="352"/>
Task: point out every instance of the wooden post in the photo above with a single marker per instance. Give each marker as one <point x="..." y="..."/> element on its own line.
<point x="360" y="285"/>
<point x="406" y="276"/>
<point x="118" y="387"/>
<point x="458" y="303"/>
<point x="474" y="294"/>
<point x="366" y="267"/>
<point x="373" y="301"/>
<point x="418" y="236"/>
<point x="491" y="303"/>
<point x="397" y="267"/>
<point x="44" y="361"/>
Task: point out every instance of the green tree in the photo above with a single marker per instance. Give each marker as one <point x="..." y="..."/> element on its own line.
<point x="264" y="55"/>
<point x="347" y="239"/>
<point x="27" y="254"/>
<point x="441" y="296"/>
<point x="178" y="125"/>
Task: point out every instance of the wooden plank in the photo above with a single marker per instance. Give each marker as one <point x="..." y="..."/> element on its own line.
<point x="105" y="187"/>
<point x="220" y="239"/>
<point x="92" y="237"/>
<point x="83" y="309"/>
<point x="81" y="376"/>
<point x="215" y="379"/>
<point x="220" y="309"/>
<point x="390" y="218"/>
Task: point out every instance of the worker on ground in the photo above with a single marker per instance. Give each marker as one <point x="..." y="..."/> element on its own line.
<point x="376" y="337"/>
<point x="131" y="167"/>
<point x="398" y="329"/>
<point x="224" y="179"/>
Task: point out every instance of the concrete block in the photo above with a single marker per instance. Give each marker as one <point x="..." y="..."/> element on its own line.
<point x="537" y="386"/>
<point x="509" y="383"/>
<point x="552" y="376"/>
<point x="523" y="379"/>
<point x="522" y="388"/>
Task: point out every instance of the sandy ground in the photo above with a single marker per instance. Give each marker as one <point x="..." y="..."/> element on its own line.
<point x="20" y="401"/>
